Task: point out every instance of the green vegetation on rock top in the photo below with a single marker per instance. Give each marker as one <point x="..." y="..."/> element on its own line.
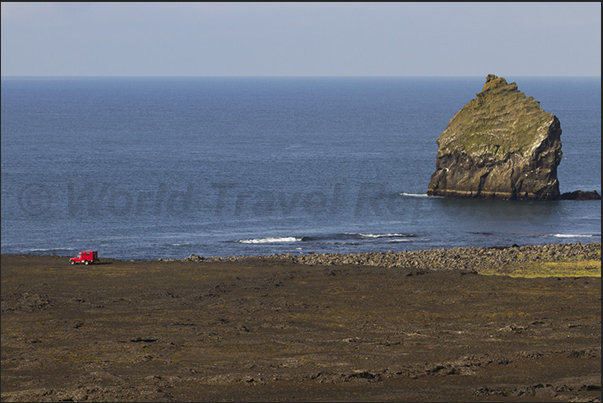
<point x="501" y="120"/>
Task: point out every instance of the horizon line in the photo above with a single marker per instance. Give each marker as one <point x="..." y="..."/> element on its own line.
<point x="289" y="76"/>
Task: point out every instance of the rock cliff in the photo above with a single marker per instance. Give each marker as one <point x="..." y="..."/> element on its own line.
<point x="500" y="145"/>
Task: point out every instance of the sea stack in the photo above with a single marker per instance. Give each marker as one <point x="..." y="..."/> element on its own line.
<point x="500" y="145"/>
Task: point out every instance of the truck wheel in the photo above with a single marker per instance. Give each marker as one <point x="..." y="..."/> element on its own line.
<point x="86" y="263"/>
<point x="72" y="262"/>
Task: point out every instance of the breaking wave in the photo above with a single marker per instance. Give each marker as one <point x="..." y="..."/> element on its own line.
<point x="415" y="194"/>
<point x="48" y="249"/>
<point x="377" y="236"/>
<point x="271" y="240"/>
<point x="331" y="238"/>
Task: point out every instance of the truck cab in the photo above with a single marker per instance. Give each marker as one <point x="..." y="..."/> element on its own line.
<point x="86" y="257"/>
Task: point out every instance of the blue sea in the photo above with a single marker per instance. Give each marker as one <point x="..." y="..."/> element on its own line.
<point x="147" y="168"/>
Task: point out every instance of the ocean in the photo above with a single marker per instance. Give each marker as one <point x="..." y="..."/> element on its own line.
<point x="147" y="168"/>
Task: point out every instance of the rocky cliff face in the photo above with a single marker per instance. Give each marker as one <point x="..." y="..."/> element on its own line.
<point x="499" y="145"/>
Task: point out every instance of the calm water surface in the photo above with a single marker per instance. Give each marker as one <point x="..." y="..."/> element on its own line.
<point x="142" y="168"/>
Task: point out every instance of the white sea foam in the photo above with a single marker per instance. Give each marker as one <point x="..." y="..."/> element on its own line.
<point x="374" y="236"/>
<point x="271" y="240"/>
<point x="420" y="195"/>
<point x="571" y="236"/>
<point x="47" y="249"/>
<point x="415" y="194"/>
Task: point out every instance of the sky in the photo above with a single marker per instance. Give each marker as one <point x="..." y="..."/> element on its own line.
<point x="301" y="39"/>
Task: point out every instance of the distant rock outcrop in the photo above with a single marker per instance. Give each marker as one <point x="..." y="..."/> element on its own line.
<point x="500" y="145"/>
<point x="581" y="195"/>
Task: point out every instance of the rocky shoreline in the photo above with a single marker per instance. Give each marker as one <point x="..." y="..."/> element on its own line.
<point x="432" y="259"/>
<point x="425" y="326"/>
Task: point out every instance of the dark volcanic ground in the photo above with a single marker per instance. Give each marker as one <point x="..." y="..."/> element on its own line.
<point x="269" y="330"/>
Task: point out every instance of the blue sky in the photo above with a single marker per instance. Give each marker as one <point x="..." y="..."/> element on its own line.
<point x="301" y="39"/>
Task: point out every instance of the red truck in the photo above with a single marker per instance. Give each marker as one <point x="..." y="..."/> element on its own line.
<point x="86" y="257"/>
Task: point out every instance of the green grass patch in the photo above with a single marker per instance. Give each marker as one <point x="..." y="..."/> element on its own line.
<point x="582" y="268"/>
